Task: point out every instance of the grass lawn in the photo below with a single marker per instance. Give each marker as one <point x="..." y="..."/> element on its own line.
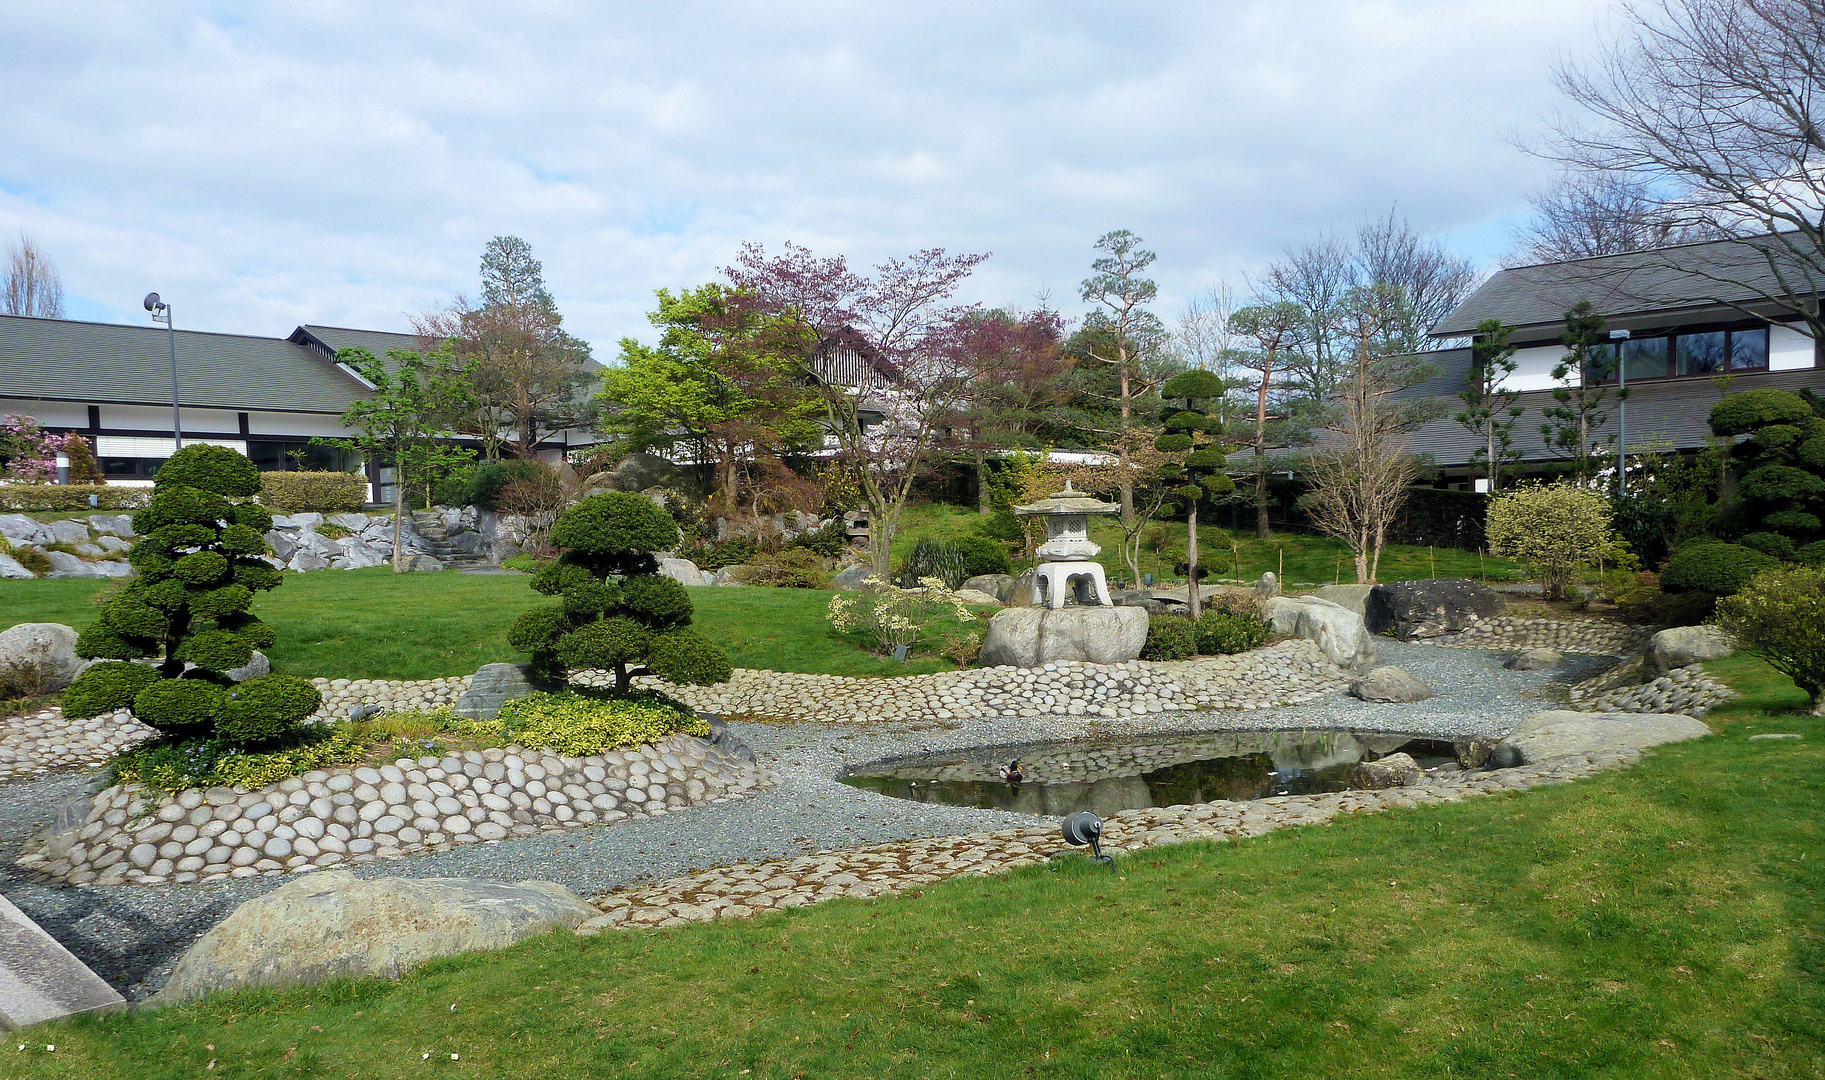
<point x="1307" y="558"/>
<point x="375" y="624"/>
<point x="1663" y="921"/>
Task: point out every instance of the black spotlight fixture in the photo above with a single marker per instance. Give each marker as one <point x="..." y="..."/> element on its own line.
<point x="1083" y="828"/>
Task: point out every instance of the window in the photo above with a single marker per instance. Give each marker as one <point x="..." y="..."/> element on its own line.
<point x="1695" y="352"/>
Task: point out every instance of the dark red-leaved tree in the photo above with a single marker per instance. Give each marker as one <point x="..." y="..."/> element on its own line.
<point x="1017" y="365"/>
<point x="884" y="352"/>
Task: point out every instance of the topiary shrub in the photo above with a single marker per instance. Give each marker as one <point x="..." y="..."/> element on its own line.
<point x="982" y="555"/>
<point x="932" y="558"/>
<point x="1778" y="616"/>
<point x="1781" y="466"/>
<point x="179" y="705"/>
<point x="199" y="569"/>
<point x="1812" y="555"/>
<point x="1170" y="637"/>
<point x="1716" y="568"/>
<point x="616" y="613"/>
<point x="266" y="707"/>
<point x="1769" y="543"/>
<point x="106" y="687"/>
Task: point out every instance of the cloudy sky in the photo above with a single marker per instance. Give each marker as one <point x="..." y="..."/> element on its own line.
<point x="267" y="164"/>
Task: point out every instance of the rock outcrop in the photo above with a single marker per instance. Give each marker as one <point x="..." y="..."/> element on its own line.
<point x="332" y="925"/>
<point x="1683" y="646"/>
<point x="1560" y="733"/>
<point x="1390" y="684"/>
<point x="1339" y="632"/>
<point x="1029" y="637"/>
<point x="1428" y="608"/>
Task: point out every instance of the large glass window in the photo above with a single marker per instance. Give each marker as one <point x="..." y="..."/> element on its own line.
<point x="1697" y="352"/>
<point x="1748" y="349"/>
<point x="1644" y="358"/>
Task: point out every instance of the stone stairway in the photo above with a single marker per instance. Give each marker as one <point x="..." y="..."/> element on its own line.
<point x="460" y="552"/>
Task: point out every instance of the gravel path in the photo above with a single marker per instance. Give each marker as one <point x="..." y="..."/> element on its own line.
<point x="131" y="936"/>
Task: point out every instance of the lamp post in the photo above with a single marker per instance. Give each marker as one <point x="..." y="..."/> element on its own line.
<point x="161" y="312"/>
<point x="1621" y="337"/>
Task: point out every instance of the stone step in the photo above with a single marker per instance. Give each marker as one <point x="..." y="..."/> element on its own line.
<point x="39" y="978"/>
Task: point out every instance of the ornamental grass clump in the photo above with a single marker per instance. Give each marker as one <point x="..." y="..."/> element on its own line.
<point x="615" y="613"/>
<point x="1779" y="616"/>
<point x="896" y="617"/>
<point x="200" y="565"/>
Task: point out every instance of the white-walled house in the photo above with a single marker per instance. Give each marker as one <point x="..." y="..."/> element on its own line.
<point x="265" y="397"/>
<point x="1691" y="313"/>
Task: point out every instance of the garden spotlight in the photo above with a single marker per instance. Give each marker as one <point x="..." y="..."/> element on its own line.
<point x="1083" y="828"/>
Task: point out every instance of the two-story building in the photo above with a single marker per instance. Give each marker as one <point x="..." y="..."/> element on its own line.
<point x="1689" y="323"/>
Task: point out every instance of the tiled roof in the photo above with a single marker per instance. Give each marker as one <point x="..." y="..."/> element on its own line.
<point x="1714" y="277"/>
<point x="337" y="338"/>
<point x="1668" y="413"/>
<point x="59" y="359"/>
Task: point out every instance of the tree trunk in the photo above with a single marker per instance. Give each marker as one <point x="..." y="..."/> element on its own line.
<point x="729" y="485"/>
<point x="1492" y="462"/>
<point x="624" y="680"/>
<point x="1191" y="560"/>
<point x="880" y="533"/>
<point x="982" y="483"/>
<point x="1261" y="454"/>
<point x="399" y="509"/>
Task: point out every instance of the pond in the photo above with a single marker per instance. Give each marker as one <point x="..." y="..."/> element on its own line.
<point x="1104" y="776"/>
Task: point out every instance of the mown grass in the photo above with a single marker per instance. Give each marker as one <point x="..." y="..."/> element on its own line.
<point x="375" y="624"/>
<point x="1663" y="921"/>
<point x="1303" y="557"/>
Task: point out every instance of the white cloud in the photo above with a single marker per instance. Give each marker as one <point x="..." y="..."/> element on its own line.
<point x="269" y="164"/>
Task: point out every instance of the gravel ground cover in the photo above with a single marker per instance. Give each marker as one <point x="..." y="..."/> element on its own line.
<point x="132" y="936"/>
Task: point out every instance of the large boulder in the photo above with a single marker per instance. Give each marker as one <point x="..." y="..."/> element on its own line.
<point x="1535" y="660"/>
<point x="305" y="560"/>
<point x="112" y="524"/>
<point x="1029" y="637"/>
<point x="684" y="572"/>
<point x="993" y="584"/>
<point x="1429" y="608"/>
<point x="1024" y="592"/>
<point x="66" y="565"/>
<point x="331" y="924"/>
<point x="977" y="596"/>
<point x="47" y="646"/>
<point x="852" y="577"/>
<point x="1390" y="684"/>
<point x="1682" y="646"/>
<point x="492" y="686"/>
<point x="17" y="529"/>
<point x="1336" y="630"/>
<point x="1353" y="597"/>
<point x="69" y="531"/>
<point x="1395" y="770"/>
<point x="1562" y="733"/>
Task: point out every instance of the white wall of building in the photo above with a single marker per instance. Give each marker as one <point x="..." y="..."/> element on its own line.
<point x="158" y="418"/>
<point x="1534" y="368"/>
<point x="47" y="413"/>
<point x="1788" y="349"/>
<point x="304" y="424"/>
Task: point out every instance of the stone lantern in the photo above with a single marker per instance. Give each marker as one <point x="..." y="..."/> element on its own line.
<point x="1069" y="556"/>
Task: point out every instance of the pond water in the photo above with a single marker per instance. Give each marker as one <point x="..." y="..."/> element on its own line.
<point x="1104" y="776"/>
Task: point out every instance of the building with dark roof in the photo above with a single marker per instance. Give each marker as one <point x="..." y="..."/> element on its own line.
<point x="264" y="397"/>
<point x="1691" y="313"/>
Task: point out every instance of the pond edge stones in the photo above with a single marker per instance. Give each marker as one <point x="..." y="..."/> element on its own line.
<point x="132" y="835"/>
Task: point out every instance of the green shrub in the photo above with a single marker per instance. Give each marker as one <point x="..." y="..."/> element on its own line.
<point x="794" y="568"/>
<point x="830" y="541"/>
<point x="1769" y="543"/>
<point x="211" y="468"/>
<point x="538" y="629"/>
<point x="200" y="567"/>
<point x="178" y="704"/>
<point x="1812" y="555"/>
<point x="1220" y="633"/>
<point x="525" y="564"/>
<point x="176" y="765"/>
<point x="615" y="528"/>
<point x="216" y="650"/>
<point x="258" y="576"/>
<point x="1552" y="528"/>
<point x="483" y="484"/>
<point x="735" y="551"/>
<point x="1748" y="410"/>
<point x="931" y="557"/>
<point x="577" y="725"/>
<point x="61" y="497"/>
<point x="253" y="516"/>
<point x="254" y="632"/>
<point x="183" y="506"/>
<point x="686" y="657"/>
<point x="106" y="687"/>
<point x="1778" y="617"/>
<point x="332" y="531"/>
<point x="265" y="708"/>
<point x="982" y="555"/>
<point x="1170" y="637"/>
<point x="601" y="645"/>
<point x="101" y="642"/>
<point x="318" y="492"/>
<point x="1719" y="569"/>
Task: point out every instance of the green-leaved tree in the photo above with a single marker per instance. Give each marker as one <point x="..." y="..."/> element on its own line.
<point x="1490" y="411"/>
<point x="1192" y="437"/>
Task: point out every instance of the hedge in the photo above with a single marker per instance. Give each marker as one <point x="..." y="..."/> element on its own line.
<point x="72" y="497"/>
<point x="321" y="492"/>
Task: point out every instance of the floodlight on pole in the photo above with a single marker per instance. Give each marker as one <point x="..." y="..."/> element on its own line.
<point x="161" y="312"/>
<point x="1622" y="414"/>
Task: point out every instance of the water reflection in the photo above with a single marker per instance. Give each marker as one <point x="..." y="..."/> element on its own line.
<point x="1063" y="777"/>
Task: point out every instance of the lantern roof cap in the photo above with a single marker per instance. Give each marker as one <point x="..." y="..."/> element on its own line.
<point x="1069" y="501"/>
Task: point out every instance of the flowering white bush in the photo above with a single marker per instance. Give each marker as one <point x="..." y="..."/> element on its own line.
<point x="893" y="615"/>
